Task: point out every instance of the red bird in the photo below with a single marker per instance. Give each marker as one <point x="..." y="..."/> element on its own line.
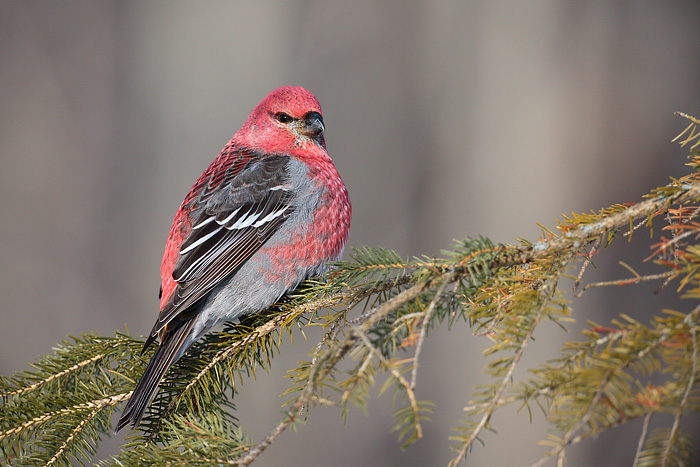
<point x="269" y="212"/>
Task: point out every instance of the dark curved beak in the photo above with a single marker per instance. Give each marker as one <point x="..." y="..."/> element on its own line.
<point x="313" y="125"/>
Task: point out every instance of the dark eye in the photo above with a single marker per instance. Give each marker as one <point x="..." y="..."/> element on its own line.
<point x="283" y="117"/>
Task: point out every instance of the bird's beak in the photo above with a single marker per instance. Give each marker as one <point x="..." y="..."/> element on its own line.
<point x="313" y="125"/>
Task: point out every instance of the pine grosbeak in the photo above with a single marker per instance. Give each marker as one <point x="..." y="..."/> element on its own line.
<point x="269" y="212"/>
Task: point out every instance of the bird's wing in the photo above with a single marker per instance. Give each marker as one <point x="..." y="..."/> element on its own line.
<point x="229" y="224"/>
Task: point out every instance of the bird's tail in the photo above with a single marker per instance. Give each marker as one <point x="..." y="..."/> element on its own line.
<point x="169" y="350"/>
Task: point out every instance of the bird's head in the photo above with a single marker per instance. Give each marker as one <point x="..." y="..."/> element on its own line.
<point x="288" y="118"/>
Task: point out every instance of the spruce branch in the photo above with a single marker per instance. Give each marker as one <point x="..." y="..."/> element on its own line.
<point x="379" y="309"/>
<point x="642" y="438"/>
<point x="692" y="378"/>
<point x="548" y="290"/>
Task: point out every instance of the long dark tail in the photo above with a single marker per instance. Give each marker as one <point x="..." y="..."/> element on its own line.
<point x="166" y="354"/>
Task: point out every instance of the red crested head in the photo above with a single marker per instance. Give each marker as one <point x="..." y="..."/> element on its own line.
<point x="289" y="117"/>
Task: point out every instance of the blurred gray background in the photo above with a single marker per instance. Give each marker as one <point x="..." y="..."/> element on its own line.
<point x="444" y="118"/>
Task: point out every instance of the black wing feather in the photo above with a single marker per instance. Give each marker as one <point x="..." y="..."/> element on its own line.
<point x="230" y="224"/>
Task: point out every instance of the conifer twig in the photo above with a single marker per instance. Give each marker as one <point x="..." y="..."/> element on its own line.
<point x="96" y="404"/>
<point x="690" y="320"/>
<point x="327" y="361"/>
<point x="398" y="376"/>
<point x="642" y="439"/>
<point x="587" y="261"/>
<point x="75" y="367"/>
<point x="423" y="332"/>
<point x="551" y="289"/>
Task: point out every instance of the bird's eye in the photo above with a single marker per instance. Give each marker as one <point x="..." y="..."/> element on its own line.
<point x="283" y="117"/>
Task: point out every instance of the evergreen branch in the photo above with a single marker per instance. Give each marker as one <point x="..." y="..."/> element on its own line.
<point x="683" y="193"/>
<point x="291" y="415"/>
<point x="202" y="441"/>
<point x="359" y="373"/>
<point x="96" y="407"/>
<point x="694" y="134"/>
<point x="577" y="439"/>
<point x="679" y="237"/>
<point x="642" y="439"/>
<point x="50" y="416"/>
<point x="462" y="452"/>
<point x="274" y="434"/>
<point x="397" y="376"/>
<point x="349" y="297"/>
<point x="614" y="221"/>
<point x="587" y="262"/>
<point x="423" y="333"/>
<point x="53" y="377"/>
<point x="327" y="361"/>
<point x="273" y="324"/>
<point x="503" y="401"/>
<point x="96" y="404"/>
<point x="630" y="280"/>
<point x="263" y="330"/>
<point x="569" y="435"/>
<point x="656" y="445"/>
<point x="690" y="320"/>
<point x="665" y="334"/>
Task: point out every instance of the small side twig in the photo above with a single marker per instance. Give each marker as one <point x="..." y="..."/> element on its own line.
<point x="668" y="275"/>
<point x="690" y="320"/>
<point x="327" y="361"/>
<point x="642" y="438"/>
<point x="587" y="262"/>
<point x="504" y="381"/>
<point x="398" y="376"/>
<point x="423" y="332"/>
